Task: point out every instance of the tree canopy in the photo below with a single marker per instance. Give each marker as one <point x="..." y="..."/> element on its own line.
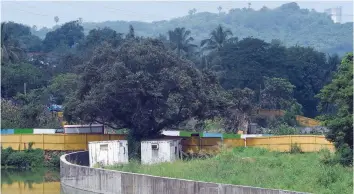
<point x="277" y="94"/>
<point x="245" y="64"/>
<point x="142" y="87"/>
<point x="340" y="122"/>
<point x="67" y="35"/>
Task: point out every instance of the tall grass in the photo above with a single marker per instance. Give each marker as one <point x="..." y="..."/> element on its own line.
<point x="258" y="167"/>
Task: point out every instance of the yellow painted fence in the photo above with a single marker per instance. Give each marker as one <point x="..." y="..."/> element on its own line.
<point x="308" y="143"/>
<point x="54" y="141"/>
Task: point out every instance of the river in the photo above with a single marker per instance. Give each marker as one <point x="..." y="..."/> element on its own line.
<point x="38" y="181"/>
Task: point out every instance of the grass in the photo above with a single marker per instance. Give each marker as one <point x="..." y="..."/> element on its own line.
<point x="258" y="167"/>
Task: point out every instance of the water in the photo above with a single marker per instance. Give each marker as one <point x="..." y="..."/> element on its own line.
<point x="37" y="181"/>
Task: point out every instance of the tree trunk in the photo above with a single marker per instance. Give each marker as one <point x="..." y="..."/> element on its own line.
<point x="178" y="52"/>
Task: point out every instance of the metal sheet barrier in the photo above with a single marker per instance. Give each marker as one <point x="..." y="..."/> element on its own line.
<point x="308" y="143"/>
<point x="54" y="141"/>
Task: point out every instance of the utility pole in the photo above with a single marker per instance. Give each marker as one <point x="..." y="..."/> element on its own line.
<point x="24" y="88"/>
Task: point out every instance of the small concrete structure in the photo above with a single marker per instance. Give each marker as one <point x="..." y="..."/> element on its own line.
<point x="108" y="152"/>
<point x="156" y="151"/>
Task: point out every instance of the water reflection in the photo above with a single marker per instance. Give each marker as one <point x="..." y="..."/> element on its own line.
<point x="37" y="181"/>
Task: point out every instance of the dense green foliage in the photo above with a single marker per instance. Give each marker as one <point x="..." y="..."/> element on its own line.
<point x="142" y="87"/>
<point x="66" y="36"/>
<point x="277" y="94"/>
<point x="14" y="76"/>
<point x="29" y="158"/>
<point x="288" y="23"/>
<point x="247" y="62"/>
<point x="304" y="172"/>
<point x="339" y="93"/>
<point x="26" y="115"/>
<point x="17" y="39"/>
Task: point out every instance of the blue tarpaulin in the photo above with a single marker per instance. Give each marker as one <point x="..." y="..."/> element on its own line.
<point x="55" y="107"/>
<point x="7" y="131"/>
<point x="212" y="135"/>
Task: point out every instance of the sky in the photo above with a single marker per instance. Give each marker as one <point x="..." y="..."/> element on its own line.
<point x="42" y="13"/>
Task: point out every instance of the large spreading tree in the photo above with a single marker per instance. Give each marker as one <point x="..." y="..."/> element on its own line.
<point x="142" y="87"/>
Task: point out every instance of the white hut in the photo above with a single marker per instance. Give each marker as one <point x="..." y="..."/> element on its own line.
<point x="156" y="151"/>
<point x="108" y="152"/>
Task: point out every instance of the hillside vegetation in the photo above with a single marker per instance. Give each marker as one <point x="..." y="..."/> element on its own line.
<point x="258" y="167"/>
<point x="288" y="23"/>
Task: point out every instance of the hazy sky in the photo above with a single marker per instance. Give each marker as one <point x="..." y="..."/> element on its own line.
<point x="41" y="13"/>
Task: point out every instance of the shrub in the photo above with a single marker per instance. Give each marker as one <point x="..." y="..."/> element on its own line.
<point x="22" y="159"/>
<point x="54" y="159"/>
<point x="345" y="155"/>
<point x="295" y="149"/>
<point x="5" y="154"/>
<point x="18" y="159"/>
<point x="35" y="157"/>
<point x="328" y="158"/>
<point x="285" y="129"/>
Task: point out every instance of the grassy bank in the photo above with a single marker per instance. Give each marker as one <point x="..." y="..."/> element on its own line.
<point x="258" y="167"/>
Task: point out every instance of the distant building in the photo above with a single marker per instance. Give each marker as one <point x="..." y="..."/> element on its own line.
<point x="335" y="13"/>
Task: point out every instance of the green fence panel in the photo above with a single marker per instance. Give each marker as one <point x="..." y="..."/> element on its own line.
<point x="23" y="131"/>
<point x="232" y="136"/>
<point x="189" y="134"/>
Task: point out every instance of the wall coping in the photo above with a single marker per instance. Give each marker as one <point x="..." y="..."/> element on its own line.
<point x="63" y="159"/>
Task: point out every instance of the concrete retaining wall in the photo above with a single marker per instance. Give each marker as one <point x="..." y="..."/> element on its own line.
<point x="108" y="181"/>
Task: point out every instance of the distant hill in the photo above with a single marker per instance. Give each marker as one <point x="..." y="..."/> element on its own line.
<point x="288" y="23"/>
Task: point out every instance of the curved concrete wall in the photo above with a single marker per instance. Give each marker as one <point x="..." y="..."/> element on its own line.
<point x="75" y="173"/>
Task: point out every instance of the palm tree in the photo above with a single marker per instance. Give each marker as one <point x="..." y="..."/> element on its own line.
<point x="56" y="19"/>
<point x="218" y="37"/>
<point x="180" y="40"/>
<point x="131" y="33"/>
<point x="192" y="11"/>
<point x="219" y="9"/>
<point x="80" y="21"/>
